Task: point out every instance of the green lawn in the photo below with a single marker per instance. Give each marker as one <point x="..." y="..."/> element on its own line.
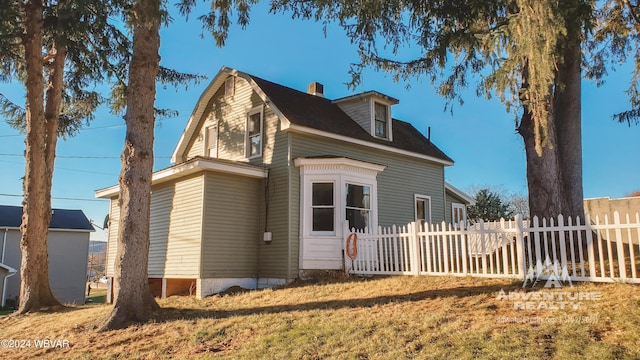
<point x="5" y="312"/>
<point x="98" y="296"/>
<point x="378" y="318"/>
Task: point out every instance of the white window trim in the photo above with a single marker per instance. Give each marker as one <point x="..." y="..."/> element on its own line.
<point x="464" y="213"/>
<point x="373" y="119"/>
<point x="336" y="210"/>
<point x="417" y="197"/>
<point x="255" y="110"/>
<point x="370" y="209"/>
<point x="341" y="172"/>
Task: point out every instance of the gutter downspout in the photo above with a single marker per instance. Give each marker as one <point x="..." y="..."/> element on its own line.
<point x="4" y="286"/>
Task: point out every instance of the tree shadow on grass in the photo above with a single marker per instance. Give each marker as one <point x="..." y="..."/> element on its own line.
<point x="170" y="314"/>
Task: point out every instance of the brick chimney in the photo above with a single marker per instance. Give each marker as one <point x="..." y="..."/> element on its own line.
<point x="315" y="88"/>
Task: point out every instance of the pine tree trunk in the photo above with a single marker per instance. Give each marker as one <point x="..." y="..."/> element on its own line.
<point x="568" y="121"/>
<point x="543" y="172"/>
<point x="35" y="292"/>
<point x="133" y="301"/>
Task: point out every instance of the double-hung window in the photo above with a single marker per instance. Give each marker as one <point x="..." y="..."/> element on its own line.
<point x="323" y="207"/>
<point x="358" y="206"/>
<point x="254" y="133"/>
<point x="381" y="120"/>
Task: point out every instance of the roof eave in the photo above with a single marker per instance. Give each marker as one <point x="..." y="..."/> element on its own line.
<point x="459" y="193"/>
<point x="188" y="168"/>
<point x="196" y="115"/>
<point x="365" y="94"/>
<point x="312" y="131"/>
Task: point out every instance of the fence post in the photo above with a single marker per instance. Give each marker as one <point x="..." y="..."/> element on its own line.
<point x="445" y="247"/>
<point x="483" y="247"/>
<point x="520" y="247"/>
<point x="464" y="230"/>
<point x="590" y="251"/>
<point x="415" y="248"/>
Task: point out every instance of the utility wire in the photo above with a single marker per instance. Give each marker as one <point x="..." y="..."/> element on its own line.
<point x="84" y="157"/>
<point x="67" y="169"/>
<point x="104" y="127"/>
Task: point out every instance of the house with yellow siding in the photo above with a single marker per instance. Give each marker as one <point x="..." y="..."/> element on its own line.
<point x="267" y="179"/>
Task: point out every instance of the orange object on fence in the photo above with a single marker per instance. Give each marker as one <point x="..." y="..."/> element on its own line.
<point x="352" y="246"/>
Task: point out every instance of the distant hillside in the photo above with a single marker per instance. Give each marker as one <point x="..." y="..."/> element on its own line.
<point x="97" y="246"/>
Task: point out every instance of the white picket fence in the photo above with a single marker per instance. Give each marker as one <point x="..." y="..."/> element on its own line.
<point x="584" y="250"/>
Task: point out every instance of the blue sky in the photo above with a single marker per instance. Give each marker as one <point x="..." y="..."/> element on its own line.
<point x="479" y="135"/>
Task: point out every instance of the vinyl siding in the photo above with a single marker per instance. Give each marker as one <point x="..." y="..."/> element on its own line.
<point x="3" y="274"/>
<point x="112" y="239"/>
<point x="13" y="258"/>
<point x="274" y="257"/>
<point x="397" y="184"/>
<point x="231" y="226"/>
<point x="231" y="115"/>
<point x="175" y="228"/>
<point x="359" y="110"/>
<point x="68" y="253"/>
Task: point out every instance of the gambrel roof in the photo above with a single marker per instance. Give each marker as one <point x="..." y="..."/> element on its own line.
<point x="303" y="112"/>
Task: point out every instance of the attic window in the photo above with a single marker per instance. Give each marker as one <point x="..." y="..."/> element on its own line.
<point x="229" y="86"/>
<point x="381" y="120"/>
<point x="254" y="133"/>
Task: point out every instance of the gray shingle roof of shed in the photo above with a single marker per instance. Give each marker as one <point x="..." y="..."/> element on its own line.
<point x="11" y="217"/>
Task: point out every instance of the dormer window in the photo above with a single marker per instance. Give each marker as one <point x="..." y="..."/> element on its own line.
<point x="381" y="120"/>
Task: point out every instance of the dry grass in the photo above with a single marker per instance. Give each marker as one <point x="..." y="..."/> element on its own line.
<point x="382" y="318"/>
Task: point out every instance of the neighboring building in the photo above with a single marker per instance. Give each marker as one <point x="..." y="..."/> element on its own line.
<point x="607" y="206"/>
<point x="68" y="245"/>
<point x="266" y="176"/>
<point x="601" y="210"/>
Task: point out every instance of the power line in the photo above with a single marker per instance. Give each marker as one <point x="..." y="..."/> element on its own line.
<point x="58" y="198"/>
<point x="67" y="169"/>
<point x="85" y="157"/>
<point x="158" y="122"/>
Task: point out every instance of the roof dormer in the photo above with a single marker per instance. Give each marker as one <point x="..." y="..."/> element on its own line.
<point x="372" y="111"/>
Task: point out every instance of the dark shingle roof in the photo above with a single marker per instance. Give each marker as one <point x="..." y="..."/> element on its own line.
<point x="11" y="216"/>
<point x="322" y="114"/>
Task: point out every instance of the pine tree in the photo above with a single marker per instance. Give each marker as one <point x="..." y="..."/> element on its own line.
<point x="80" y="47"/>
<point x="133" y="301"/>
<point x="528" y="53"/>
